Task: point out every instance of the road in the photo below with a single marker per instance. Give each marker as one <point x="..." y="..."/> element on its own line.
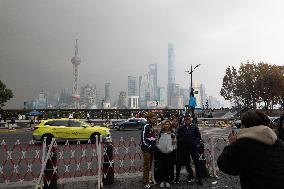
<point x="25" y="135"/>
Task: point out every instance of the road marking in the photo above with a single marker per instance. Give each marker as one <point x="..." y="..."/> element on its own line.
<point x="7" y="130"/>
<point x="12" y="130"/>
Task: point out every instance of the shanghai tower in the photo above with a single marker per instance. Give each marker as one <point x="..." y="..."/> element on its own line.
<point x="171" y="74"/>
<point x="171" y="66"/>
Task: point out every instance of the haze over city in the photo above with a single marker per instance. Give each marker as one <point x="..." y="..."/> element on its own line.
<point x="121" y="38"/>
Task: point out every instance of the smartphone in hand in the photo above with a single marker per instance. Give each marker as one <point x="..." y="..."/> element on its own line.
<point x="235" y="130"/>
<point x="233" y="135"/>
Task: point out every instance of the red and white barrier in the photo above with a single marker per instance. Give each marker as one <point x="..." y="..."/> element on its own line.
<point x="22" y="162"/>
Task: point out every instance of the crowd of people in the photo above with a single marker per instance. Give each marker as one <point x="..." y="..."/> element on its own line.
<point x="255" y="153"/>
<point x="170" y="147"/>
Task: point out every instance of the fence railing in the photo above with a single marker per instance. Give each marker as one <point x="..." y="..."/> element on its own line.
<point x="26" y="162"/>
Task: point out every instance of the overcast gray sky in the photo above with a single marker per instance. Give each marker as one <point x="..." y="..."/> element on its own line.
<point x="118" y="38"/>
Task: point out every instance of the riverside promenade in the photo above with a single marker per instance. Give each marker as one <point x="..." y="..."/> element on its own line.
<point x="134" y="181"/>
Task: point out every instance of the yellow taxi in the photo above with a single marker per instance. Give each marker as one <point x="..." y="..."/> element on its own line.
<point x="69" y="129"/>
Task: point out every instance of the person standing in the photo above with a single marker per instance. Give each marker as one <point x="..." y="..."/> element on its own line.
<point x="88" y="117"/>
<point x="175" y="126"/>
<point x="4" y="117"/>
<point x="255" y="154"/>
<point x="71" y="115"/>
<point x="188" y="138"/>
<point x="192" y="103"/>
<point x="13" y="120"/>
<point x="148" y="146"/>
<point x="166" y="145"/>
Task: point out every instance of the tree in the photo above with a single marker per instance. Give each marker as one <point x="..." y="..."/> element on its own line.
<point x="5" y="94"/>
<point x="238" y="86"/>
<point x="281" y="86"/>
<point x="245" y="85"/>
<point x="254" y="85"/>
<point x="228" y="85"/>
<point x="269" y="84"/>
<point x="228" y="90"/>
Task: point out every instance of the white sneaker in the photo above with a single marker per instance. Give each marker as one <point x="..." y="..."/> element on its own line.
<point x="168" y="185"/>
<point x="162" y="185"/>
<point x="147" y="186"/>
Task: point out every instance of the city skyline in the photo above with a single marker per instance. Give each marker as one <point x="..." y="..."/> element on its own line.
<point x="120" y="39"/>
<point x="146" y="94"/>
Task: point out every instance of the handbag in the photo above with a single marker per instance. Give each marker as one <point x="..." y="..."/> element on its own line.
<point x="200" y="145"/>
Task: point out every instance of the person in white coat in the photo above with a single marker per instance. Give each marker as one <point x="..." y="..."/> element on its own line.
<point x="166" y="145"/>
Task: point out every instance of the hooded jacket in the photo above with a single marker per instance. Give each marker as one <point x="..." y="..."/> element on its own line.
<point x="257" y="156"/>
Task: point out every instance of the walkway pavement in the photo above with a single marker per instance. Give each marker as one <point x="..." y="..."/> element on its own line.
<point x="135" y="182"/>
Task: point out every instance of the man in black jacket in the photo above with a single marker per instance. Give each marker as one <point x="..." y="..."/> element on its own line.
<point x="188" y="137"/>
<point x="255" y="154"/>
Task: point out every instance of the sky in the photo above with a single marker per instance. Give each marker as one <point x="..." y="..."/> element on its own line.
<point x="118" y="38"/>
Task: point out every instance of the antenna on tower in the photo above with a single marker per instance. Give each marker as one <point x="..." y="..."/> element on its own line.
<point x="76" y="48"/>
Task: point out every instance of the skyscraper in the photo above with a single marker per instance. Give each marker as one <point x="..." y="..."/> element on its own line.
<point x="202" y="95"/>
<point x="121" y="104"/>
<point x="64" y="99"/>
<point x="171" y="76"/>
<point x="153" y="81"/>
<point x="132" y="86"/>
<point x="107" y="92"/>
<point x="161" y="96"/>
<point x="171" y="62"/>
<point x="145" y="92"/>
<point x="133" y="97"/>
<point x="88" y="97"/>
<point x="139" y="90"/>
<point x="40" y="102"/>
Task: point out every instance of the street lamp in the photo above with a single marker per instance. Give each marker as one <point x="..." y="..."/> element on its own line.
<point x="192" y="100"/>
<point x="190" y="72"/>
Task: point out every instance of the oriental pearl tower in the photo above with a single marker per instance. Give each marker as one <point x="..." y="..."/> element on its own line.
<point x="76" y="61"/>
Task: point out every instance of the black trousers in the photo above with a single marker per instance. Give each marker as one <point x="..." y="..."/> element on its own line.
<point x="195" y="157"/>
<point x="172" y="165"/>
<point x="165" y="163"/>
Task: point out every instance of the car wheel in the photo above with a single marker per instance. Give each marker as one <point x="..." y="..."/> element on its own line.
<point x="48" y="138"/>
<point x="93" y="137"/>
<point x="121" y="127"/>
